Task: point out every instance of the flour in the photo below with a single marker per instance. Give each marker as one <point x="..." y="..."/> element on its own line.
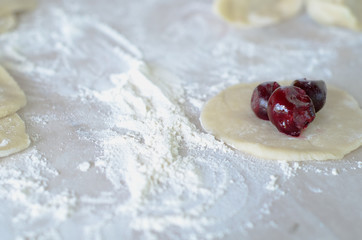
<point x="334" y="172"/>
<point x="84" y="166"/>
<point x="315" y="190"/>
<point x="4" y="142"/>
<point x="150" y="131"/>
<point x="272" y="185"/>
<point x="25" y="184"/>
<point x="289" y="169"/>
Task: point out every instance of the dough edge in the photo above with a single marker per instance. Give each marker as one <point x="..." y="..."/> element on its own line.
<point x="254" y="20"/>
<point x="17" y="98"/>
<point x="15" y="6"/>
<point x="7" y="22"/>
<point x="8" y="10"/>
<point x="334" y="13"/>
<point x="256" y="150"/>
<point x="19" y="141"/>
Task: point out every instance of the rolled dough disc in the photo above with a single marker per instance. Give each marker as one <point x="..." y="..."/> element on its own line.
<point x="336" y="130"/>
<point x="254" y="13"/>
<point x="12" y="98"/>
<point x="15" y="6"/>
<point x="8" y="9"/>
<point x="344" y="13"/>
<point x="7" y="22"/>
<point x="13" y="137"/>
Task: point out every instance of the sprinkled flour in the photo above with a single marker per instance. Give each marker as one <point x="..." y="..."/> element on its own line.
<point x="84" y="166"/>
<point x="4" y="142"/>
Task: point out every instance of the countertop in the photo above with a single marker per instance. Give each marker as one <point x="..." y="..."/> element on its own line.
<point x="115" y="90"/>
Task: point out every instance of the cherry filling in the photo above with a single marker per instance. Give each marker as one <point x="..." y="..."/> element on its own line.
<point x="290" y="109"/>
<point x="260" y="97"/>
<point x="316" y="90"/>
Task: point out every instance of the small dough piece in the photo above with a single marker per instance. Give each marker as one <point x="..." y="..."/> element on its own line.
<point x="255" y="13"/>
<point x="12" y="98"/>
<point x="13" y="137"/>
<point x="15" y="6"/>
<point x="343" y="13"/>
<point x="336" y="130"/>
<point x="7" y="22"/>
<point x="8" y="9"/>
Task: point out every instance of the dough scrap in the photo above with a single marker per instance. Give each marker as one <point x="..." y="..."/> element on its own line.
<point x="8" y="9"/>
<point x="254" y="13"/>
<point x="12" y="98"/>
<point x="343" y="13"/>
<point x="336" y="131"/>
<point x="7" y="22"/>
<point x="15" y="6"/>
<point x="13" y="137"/>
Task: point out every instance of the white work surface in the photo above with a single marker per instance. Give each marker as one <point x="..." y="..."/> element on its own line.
<point x="115" y="90"/>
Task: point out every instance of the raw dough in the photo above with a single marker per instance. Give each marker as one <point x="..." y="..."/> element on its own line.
<point x="13" y="137"/>
<point x="344" y="13"/>
<point x="7" y="10"/>
<point x="15" y="6"/>
<point x="7" y="22"/>
<point x="336" y="131"/>
<point x="12" y="98"/>
<point x="252" y="13"/>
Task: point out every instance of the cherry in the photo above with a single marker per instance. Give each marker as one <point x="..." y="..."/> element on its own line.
<point x="316" y="90"/>
<point x="290" y="109"/>
<point x="260" y="97"/>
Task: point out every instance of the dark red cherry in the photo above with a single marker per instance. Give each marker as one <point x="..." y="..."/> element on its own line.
<point x="290" y="109"/>
<point x="260" y="97"/>
<point x="316" y="90"/>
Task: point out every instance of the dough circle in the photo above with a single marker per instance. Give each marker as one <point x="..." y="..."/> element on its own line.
<point x="7" y="22"/>
<point x="255" y="13"/>
<point x="8" y="9"/>
<point x="12" y="98"/>
<point x="344" y="13"/>
<point x="336" y="130"/>
<point x="13" y="137"/>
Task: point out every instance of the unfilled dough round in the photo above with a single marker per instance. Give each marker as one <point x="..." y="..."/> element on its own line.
<point x="8" y="9"/>
<point x="7" y="22"/>
<point x="13" y="137"/>
<point x="336" y="130"/>
<point x="15" y="6"/>
<point x="253" y="13"/>
<point x="344" y="13"/>
<point x="12" y="98"/>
